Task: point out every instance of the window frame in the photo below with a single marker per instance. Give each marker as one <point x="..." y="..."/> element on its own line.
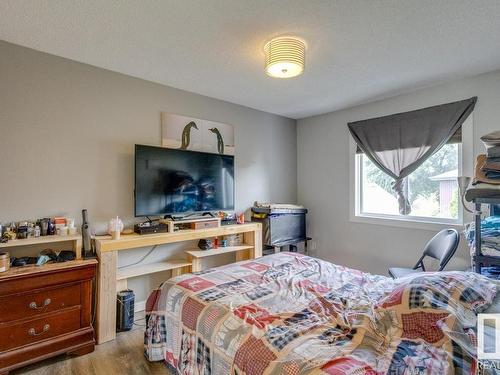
<point x="465" y="168"/>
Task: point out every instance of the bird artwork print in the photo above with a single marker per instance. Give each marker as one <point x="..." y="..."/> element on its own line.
<point x="186" y="134"/>
<point x="220" y="141"/>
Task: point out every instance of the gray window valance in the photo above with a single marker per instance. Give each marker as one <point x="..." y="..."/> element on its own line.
<point x="455" y="138"/>
<point x="398" y="144"/>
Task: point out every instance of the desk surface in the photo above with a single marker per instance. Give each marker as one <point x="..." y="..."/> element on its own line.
<point x="131" y="241"/>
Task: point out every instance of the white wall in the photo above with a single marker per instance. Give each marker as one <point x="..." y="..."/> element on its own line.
<point x="67" y="135"/>
<point x="323" y="177"/>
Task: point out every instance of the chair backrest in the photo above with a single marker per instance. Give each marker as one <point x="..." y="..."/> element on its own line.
<point x="442" y="246"/>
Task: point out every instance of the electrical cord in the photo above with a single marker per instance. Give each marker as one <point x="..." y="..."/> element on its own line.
<point x="140" y="260"/>
<point x="133" y="264"/>
<point x="128" y="315"/>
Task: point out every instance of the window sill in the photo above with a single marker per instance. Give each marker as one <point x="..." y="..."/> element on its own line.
<point x="409" y="223"/>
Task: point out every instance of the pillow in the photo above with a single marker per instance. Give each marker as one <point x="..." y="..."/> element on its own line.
<point x="442" y="291"/>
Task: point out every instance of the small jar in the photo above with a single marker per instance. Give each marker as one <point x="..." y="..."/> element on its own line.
<point x="4" y="262"/>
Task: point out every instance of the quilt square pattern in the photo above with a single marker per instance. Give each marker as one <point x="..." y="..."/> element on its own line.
<point x="208" y="319"/>
<point x="420" y="296"/>
<point x="258" y="292"/>
<point x="259" y="267"/>
<point x="203" y="358"/>
<point x="422" y="325"/>
<point x="253" y="356"/>
<point x="236" y="286"/>
<point x="281" y="336"/>
<point x="256" y="279"/>
<point x="211" y="295"/>
<point x="255" y="315"/>
<point x="190" y="312"/>
<point x="338" y="335"/>
<point x="196" y="284"/>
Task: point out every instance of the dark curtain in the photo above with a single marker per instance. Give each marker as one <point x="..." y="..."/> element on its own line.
<point x="398" y="144"/>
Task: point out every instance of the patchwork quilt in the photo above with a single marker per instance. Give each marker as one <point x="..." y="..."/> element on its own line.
<point x="292" y="314"/>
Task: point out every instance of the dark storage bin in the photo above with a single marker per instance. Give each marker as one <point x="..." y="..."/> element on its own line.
<point x="281" y="227"/>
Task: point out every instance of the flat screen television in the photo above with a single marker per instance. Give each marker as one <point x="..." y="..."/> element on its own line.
<point x="175" y="182"/>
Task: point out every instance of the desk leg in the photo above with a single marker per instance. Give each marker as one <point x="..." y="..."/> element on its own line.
<point x="78" y="248"/>
<point x="254" y="238"/>
<point x="121" y="285"/>
<point x="181" y="271"/>
<point x="242" y="255"/>
<point x="195" y="263"/>
<point x="106" y="296"/>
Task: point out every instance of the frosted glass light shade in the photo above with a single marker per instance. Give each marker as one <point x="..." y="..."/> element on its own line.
<point x="285" y="57"/>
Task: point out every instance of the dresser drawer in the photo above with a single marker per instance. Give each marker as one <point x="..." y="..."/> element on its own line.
<point x="31" y="331"/>
<point x="33" y="304"/>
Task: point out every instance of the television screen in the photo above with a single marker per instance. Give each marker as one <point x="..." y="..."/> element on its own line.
<point x="170" y="181"/>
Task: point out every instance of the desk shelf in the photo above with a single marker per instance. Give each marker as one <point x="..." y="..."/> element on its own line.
<point x="75" y="240"/>
<point x="220" y="250"/>
<point x="242" y="252"/>
<point x="146" y="269"/>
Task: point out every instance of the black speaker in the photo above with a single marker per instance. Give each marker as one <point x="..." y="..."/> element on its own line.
<point x="125" y="310"/>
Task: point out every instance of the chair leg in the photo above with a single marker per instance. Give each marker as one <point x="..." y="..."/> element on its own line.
<point x="420" y="264"/>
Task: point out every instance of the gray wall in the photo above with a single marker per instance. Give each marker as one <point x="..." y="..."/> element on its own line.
<point x="67" y="135"/>
<point x="323" y="177"/>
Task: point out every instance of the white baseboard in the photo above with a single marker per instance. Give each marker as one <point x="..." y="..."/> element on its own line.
<point x="140" y="306"/>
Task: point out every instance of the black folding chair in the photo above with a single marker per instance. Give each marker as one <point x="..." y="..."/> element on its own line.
<point x="441" y="247"/>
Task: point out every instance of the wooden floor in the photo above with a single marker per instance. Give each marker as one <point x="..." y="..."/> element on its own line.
<point x="122" y="356"/>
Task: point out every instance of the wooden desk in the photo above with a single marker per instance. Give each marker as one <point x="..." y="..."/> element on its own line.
<point x="112" y="280"/>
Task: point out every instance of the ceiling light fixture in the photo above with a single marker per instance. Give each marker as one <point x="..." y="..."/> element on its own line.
<point x="285" y="57"/>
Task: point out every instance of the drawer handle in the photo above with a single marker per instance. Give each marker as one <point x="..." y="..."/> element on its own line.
<point x="32" y="331"/>
<point x="34" y="306"/>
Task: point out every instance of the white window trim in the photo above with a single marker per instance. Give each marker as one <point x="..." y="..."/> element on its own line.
<point x="465" y="168"/>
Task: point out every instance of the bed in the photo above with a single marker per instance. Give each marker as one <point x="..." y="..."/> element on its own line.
<point x="293" y="314"/>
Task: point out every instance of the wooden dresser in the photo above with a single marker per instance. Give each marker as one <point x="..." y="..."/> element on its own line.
<point x="45" y="311"/>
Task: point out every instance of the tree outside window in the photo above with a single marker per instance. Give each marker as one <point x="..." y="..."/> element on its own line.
<point x="432" y="187"/>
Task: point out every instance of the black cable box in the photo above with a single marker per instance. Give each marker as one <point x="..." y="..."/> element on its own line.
<point x="150" y="228"/>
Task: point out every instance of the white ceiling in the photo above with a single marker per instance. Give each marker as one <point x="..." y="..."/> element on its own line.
<point x="358" y="50"/>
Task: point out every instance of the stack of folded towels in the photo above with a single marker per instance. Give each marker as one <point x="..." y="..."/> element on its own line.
<point x="486" y="182"/>
<point x="490" y="166"/>
<point x="490" y="236"/>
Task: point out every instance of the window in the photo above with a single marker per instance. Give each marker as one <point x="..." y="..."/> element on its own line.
<point x="432" y="188"/>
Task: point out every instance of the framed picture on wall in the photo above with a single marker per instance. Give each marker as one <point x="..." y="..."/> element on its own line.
<point x="189" y="133"/>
